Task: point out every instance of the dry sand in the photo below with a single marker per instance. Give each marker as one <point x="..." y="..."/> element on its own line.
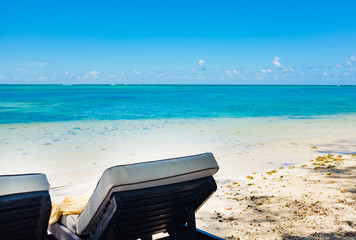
<point x="310" y="201"/>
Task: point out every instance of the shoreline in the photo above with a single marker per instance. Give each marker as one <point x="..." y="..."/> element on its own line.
<point x="71" y="148"/>
<point x="73" y="155"/>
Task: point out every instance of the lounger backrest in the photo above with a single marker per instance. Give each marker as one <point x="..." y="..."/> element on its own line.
<point x="25" y="206"/>
<point x="146" y="212"/>
<point x="142" y="176"/>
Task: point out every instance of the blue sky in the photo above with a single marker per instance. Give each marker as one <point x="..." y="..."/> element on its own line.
<point x="190" y="42"/>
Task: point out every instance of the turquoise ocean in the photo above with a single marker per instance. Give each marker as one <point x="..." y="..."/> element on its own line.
<point x="54" y="103"/>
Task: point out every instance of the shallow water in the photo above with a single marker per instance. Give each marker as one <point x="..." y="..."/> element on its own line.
<point x="53" y="103"/>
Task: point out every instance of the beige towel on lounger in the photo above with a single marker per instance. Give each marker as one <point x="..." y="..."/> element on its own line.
<point x="69" y="205"/>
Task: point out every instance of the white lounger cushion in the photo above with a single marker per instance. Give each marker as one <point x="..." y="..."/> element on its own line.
<point x="143" y="175"/>
<point x="69" y="221"/>
<point x="23" y="183"/>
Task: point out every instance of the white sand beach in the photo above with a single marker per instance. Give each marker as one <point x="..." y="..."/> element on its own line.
<point x="301" y="202"/>
<point x="74" y="154"/>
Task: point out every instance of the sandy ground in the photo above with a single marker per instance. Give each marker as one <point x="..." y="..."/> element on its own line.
<point x="310" y="201"/>
<point x="292" y="203"/>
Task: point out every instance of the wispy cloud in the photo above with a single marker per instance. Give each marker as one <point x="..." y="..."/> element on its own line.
<point x="266" y="71"/>
<point x="113" y="76"/>
<point x="348" y="62"/>
<point x="136" y="72"/>
<point x="36" y="64"/>
<point x="3" y="77"/>
<point x="276" y="62"/>
<point x="263" y="73"/>
<point x="232" y="73"/>
<point x="72" y="75"/>
<point x="42" y="78"/>
<point x="228" y="72"/>
<point x="92" y="75"/>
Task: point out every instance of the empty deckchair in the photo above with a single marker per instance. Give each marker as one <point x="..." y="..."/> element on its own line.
<point x="139" y="200"/>
<point x="25" y="206"/>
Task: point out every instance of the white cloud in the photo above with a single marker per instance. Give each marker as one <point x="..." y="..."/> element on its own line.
<point x="201" y="62"/>
<point x="276" y="62"/>
<point x="266" y="71"/>
<point x="2" y="77"/>
<point x="348" y="62"/>
<point x="326" y="74"/>
<point x="232" y="74"/>
<point x="353" y="58"/>
<point x="42" y="78"/>
<point x="338" y="65"/>
<point x="346" y="73"/>
<point x="234" y="71"/>
<point x="136" y="72"/>
<point x="91" y="75"/>
<point x="71" y="75"/>
<point x="36" y="64"/>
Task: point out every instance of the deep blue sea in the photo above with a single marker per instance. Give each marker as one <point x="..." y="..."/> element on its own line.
<point x="52" y="103"/>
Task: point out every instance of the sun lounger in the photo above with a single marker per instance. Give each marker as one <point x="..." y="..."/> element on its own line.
<point x="25" y="206"/>
<point x="139" y="200"/>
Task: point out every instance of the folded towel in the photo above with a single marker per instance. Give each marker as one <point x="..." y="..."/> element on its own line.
<point x="69" y="205"/>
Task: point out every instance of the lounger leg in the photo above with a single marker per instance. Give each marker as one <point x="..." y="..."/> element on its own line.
<point x="191" y="225"/>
